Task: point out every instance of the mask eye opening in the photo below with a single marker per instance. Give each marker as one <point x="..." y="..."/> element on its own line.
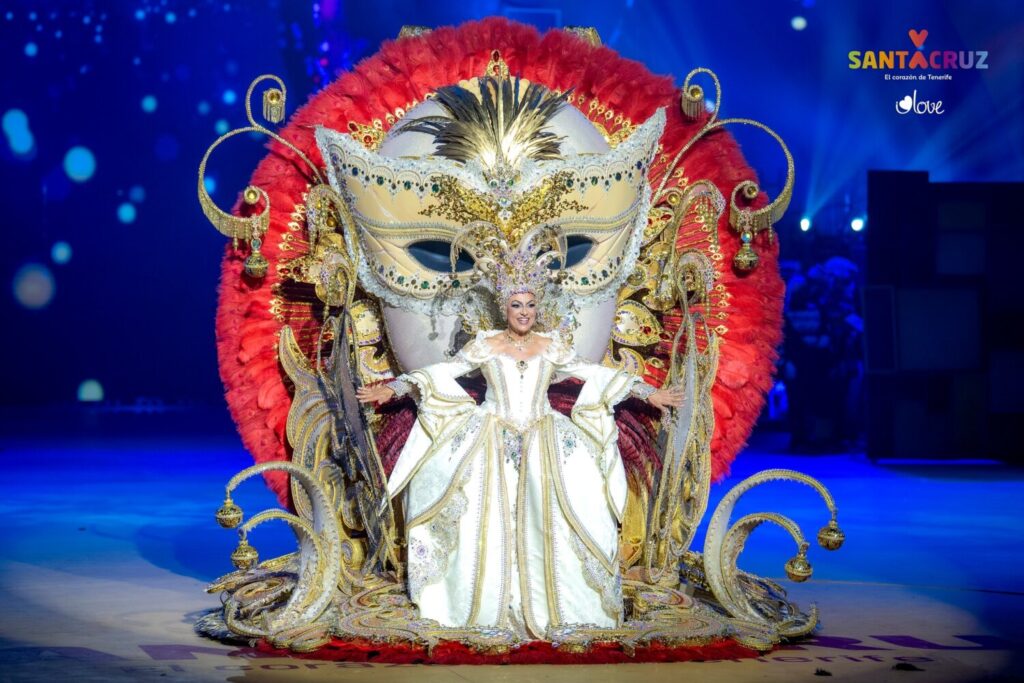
<point x="577" y="249"/>
<point x="434" y="255"/>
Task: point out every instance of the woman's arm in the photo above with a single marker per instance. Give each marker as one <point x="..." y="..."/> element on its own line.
<point x="662" y="399"/>
<point x="406" y="384"/>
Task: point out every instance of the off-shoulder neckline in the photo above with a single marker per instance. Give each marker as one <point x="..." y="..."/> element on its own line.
<point x="553" y="336"/>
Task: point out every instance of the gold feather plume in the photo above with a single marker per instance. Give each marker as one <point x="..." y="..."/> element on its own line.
<point x="500" y="128"/>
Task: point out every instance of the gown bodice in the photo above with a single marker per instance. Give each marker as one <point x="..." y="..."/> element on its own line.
<point x="517" y="393"/>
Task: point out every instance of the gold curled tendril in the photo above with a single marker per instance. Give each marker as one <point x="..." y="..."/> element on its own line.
<point x="723" y="544"/>
<point x="318" y="562"/>
<point x="250" y="227"/>
<point x="748" y="222"/>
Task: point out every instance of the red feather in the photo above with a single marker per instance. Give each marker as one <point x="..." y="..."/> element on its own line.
<point x="406" y="70"/>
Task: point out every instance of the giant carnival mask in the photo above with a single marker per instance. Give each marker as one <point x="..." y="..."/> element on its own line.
<point x="498" y="155"/>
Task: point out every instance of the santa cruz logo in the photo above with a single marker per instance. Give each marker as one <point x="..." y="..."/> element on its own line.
<point x="910" y="104"/>
<point x="919" y="58"/>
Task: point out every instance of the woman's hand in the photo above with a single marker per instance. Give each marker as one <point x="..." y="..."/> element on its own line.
<point x="379" y="394"/>
<point x="669" y="397"/>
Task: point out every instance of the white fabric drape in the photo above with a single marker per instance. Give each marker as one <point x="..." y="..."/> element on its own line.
<point x="511" y="508"/>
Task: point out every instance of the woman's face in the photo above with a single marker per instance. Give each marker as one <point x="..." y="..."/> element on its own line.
<point x="521" y="312"/>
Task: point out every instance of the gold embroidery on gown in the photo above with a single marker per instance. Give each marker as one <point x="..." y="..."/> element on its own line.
<point x="512" y="508"/>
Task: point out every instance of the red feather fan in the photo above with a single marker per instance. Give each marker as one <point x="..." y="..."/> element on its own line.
<point x="251" y="313"/>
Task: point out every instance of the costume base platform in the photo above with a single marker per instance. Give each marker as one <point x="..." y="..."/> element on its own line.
<point x="108" y="546"/>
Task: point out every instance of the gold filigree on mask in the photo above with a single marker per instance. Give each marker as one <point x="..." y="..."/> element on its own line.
<point x="513" y="217"/>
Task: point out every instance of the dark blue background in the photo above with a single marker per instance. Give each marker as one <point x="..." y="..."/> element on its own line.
<point x="133" y="307"/>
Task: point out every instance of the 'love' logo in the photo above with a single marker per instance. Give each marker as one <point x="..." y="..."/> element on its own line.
<point x="918" y="37"/>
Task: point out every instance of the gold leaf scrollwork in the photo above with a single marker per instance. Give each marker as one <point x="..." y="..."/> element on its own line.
<point x="746" y="221"/>
<point x="497" y="66"/>
<point x="635" y="325"/>
<point x="250" y="228"/>
<point x="370" y="136"/>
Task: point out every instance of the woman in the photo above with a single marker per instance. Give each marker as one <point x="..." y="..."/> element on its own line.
<point x="512" y="508"/>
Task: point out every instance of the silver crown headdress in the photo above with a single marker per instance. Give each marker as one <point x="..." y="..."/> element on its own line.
<point x="513" y="270"/>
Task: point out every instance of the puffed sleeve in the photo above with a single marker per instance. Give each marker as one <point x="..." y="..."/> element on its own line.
<point x="593" y="413"/>
<point x="410" y="382"/>
<point x="443" y="407"/>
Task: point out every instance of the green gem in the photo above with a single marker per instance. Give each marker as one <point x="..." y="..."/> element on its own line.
<point x="435" y="188"/>
<point x="401" y="279"/>
<point x="425" y="284"/>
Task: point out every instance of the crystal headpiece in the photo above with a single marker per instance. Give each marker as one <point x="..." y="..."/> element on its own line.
<point x="510" y="270"/>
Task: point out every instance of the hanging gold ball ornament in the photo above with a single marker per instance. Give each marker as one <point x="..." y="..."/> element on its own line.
<point x="244" y="556"/>
<point x="798" y="568"/>
<point x="229" y="515"/>
<point x="830" y="536"/>
<point x="746" y="259"/>
<point x="256" y="264"/>
<point x="273" y="105"/>
<point x="251" y="195"/>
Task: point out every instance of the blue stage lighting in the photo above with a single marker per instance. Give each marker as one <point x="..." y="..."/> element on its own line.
<point x="857" y="224"/>
<point x="90" y="390"/>
<point x="79" y="164"/>
<point x="33" y="286"/>
<point x="60" y="252"/>
<point x="126" y="213"/>
<point x="805" y="223"/>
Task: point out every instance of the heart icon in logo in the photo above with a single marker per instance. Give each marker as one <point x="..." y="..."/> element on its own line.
<point x="918" y="37"/>
<point x="905" y="105"/>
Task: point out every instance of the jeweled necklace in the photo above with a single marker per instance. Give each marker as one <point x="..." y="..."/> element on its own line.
<point x="519" y="344"/>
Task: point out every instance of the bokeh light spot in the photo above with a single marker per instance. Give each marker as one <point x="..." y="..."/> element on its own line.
<point x="149" y="104"/>
<point x="19" y="136"/>
<point x="798" y="23"/>
<point x="31" y="49"/>
<point x="229" y="96"/>
<point x="90" y="390"/>
<point x="60" y="252"/>
<point x="137" y="194"/>
<point x="126" y="213"/>
<point x="210" y="183"/>
<point x="203" y="107"/>
<point x="221" y="126"/>
<point x="34" y="286"/>
<point x="79" y="164"/>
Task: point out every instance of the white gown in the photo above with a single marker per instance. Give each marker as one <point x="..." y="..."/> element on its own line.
<point x="511" y="508"/>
